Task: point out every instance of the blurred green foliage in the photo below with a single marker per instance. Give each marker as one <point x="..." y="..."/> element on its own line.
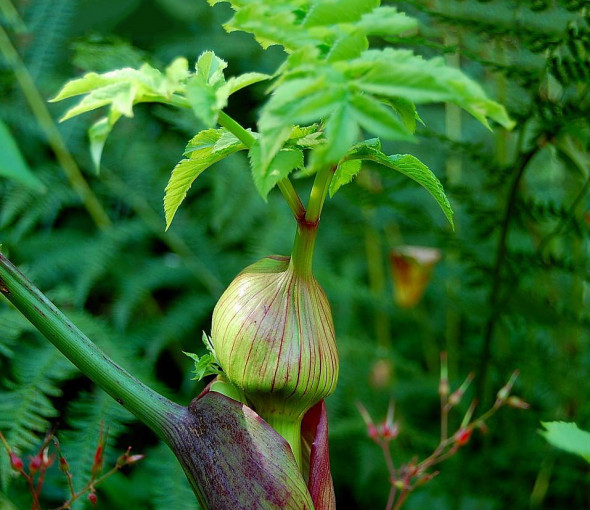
<point x="510" y="292"/>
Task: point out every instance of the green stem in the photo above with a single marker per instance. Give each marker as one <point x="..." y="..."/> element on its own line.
<point x="307" y="226"/>
<point x="146" y="404"/>
<point x="292" y="198"/>
<point x="302" y="253"/>
<point x="290" y="431"/>
<point x="318" y="194"/>
<point x="248" y="139"/>
<point x="54" y="138"/>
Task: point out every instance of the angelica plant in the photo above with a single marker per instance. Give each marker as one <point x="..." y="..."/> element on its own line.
<point x="327" y="107"/>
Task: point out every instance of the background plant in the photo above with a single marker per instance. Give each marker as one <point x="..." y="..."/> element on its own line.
<point x="144" y="284"/>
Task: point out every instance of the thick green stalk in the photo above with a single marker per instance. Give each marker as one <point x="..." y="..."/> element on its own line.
<point x="307" y="226"/>
<point x="302" y="253"/>
<point x="291" y="432"/>
<point x="147" y="405"/>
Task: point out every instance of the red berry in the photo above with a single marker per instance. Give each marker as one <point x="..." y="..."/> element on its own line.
<point x="92" y="498"/>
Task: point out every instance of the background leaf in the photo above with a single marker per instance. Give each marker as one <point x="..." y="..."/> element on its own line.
<point x="12" y="163"/>
<point x="568" y="437"/>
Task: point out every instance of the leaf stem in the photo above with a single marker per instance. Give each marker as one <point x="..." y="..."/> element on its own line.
<point x="318" y="194"/>
<point x="292" y="198"/>
<point x="247" y="138"/>
<point x="234" y="127"/>
<point x="307" y="225"/>
<point x="146" y="404"/>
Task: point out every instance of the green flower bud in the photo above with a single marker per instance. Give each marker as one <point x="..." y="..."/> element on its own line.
<point x="273" y="336"/>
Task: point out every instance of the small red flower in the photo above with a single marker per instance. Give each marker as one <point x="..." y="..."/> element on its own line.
<point x="462" y="436"/>
<point x="36" y="463"/>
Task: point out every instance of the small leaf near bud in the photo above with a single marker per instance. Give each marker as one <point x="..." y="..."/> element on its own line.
<point x="127" y="458"/>
<point x="15" y="462"/>
<point x="507" y="388"/>
<point x="517" y="402"/>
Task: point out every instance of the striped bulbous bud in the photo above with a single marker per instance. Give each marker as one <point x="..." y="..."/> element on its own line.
<point x="273" y="336"/>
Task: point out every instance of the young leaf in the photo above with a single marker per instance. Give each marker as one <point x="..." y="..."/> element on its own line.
<point x="204" y="90"/>
<point x="283" y="163"/>
<point x="345" y="173"/>
<point x="202" y="152"/>
<point x="568" y="437"/>
<point x="121" y="89"/>
<point x="204" y="365"/>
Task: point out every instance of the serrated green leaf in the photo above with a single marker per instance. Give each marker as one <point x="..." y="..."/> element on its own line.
<point x="121" y="90"/>
<point x="395" y="73"/>
<point x="568" y="437"/>
<point x="348" y="46"/>
<point x="227" y="142"/>
<point x="341" y="133"/>
<point x="204" y="101"/>
<point x="326" y="12"/>
<point x="345" y="173"/>
<point x="306" y="137"/>
<point x="204" y="365"/>
<point x="178" y="71"/>
<point x="409" y="166"/>
<point x="378" y="119"/>
<point x="202" y="154"/>
<point x="407" y="112"/>
<point x="236" y="83"/>
<point x="89" y="82"/>
<point x="210" y="68"/>
<point x="386" y="22"/>
<point x="12" y="164"/>
<point x="119" y="95"/>
<point x="207" y="91"/>
<point x="284" y="162"/>
<point x="270" y="24"/>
